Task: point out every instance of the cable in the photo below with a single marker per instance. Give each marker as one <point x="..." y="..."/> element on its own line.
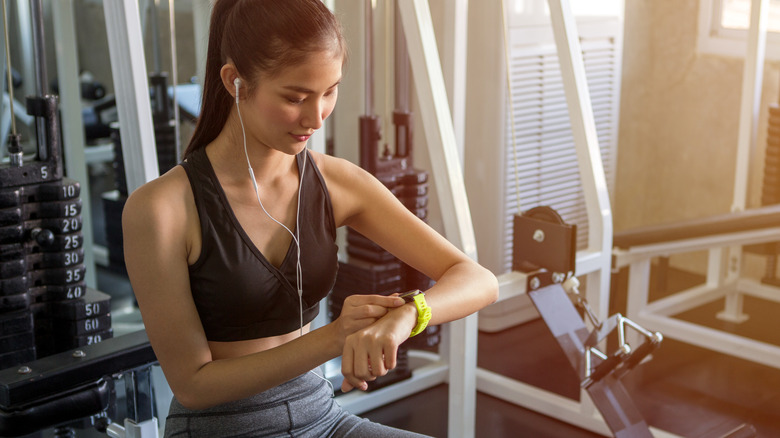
<point x="174" y="78"/>
<point x="295" y="236"/>
<point x="507" y="62"/>
<point x="8" y="65"/>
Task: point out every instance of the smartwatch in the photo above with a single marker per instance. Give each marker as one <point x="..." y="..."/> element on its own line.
<point x="423" y="311"/>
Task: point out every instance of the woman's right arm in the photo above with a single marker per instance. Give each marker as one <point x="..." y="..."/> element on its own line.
<point x="156" y="221"/>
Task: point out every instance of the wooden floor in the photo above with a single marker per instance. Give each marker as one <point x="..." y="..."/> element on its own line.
<point x="684" y="390"/>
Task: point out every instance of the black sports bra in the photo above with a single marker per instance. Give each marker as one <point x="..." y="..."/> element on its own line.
<point x="238" y="293"/>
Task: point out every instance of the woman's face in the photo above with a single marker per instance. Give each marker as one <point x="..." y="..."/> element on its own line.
<point x="286" y="109"/>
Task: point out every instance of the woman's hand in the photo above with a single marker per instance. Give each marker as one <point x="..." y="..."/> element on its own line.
<point x="360" y="311"/>
<point x="371" y="351"/>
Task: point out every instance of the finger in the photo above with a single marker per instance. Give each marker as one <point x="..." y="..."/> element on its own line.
<point x="370" y="311"/>
<point x="346" y="386"/>
<point x="347" y="361"/>
<point x="362" y="364"/>
<point x="380" y="300"/>
<point x="347" y="370"/>
<point x="390" y="301"/>
<point x="390" y="358"/>
<point x="377" y="362"/>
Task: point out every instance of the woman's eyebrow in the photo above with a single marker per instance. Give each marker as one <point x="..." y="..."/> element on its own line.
<point x="305" y="90"/>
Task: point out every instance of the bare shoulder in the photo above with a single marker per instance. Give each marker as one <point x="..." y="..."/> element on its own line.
<point x="352" y="189"/>
<point x="345" y="178"/>
<point x="167" y="199"/>
<point x="338" y="170"/>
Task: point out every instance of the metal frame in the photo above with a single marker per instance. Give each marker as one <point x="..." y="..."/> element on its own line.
<point x="595" y="261"/>
<point x="454" y="39"/>
<point x="72" y="122"/>
<point x="460" y="343"/>
<point x="658" y="314"/>
<point x="128" y="67"/>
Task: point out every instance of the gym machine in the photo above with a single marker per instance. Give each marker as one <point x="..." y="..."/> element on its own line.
<point x="592" y="262"/>
<point x="544" y="248"/>
<point x="76" y="390"/>
<point x="58" y="357"/>
<point x="596" y="371"/>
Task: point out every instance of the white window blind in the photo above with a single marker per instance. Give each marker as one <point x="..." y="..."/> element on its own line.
<point x="542" y="164"/>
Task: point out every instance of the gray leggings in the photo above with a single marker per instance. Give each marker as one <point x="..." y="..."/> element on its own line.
<point x="302" y="407"/>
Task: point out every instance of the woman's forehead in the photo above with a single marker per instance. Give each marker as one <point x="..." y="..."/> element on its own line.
<point x="318" y="71"/>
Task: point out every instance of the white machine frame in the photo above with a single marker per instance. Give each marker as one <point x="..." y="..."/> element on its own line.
<point x="594" y="262"/>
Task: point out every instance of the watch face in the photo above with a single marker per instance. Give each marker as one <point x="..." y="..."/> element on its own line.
<point x="409" y="296"/>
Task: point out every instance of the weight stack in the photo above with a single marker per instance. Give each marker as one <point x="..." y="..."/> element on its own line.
<point x="114" y="201"/>
<point x="770" y="191"/>
<point x="65" y="325"/>
<point x="41" y="266"/>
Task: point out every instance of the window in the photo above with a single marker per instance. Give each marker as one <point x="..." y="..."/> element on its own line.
<point x="525" y="12"/>
<point x="723" y="27"/>
<point x="735" y="14"/>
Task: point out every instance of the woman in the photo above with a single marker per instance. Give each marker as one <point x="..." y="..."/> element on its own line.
<point x="230" y="252"/>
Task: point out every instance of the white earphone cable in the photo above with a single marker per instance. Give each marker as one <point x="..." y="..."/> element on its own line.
<point x="295" y="236"/>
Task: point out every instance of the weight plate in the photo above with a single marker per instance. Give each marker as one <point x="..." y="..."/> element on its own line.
<point x="87" y="339"/>
<point x="13" y="358"/>
<point x="10" y="198"/>
<point x="17" y="341"/>
<point x="16" y="322"/>
<point x="13" y="286"/>
<point x="82" y="326"/>
<point x="11" y="303"/>
<point x="13" y="268"/>
<point x="93" y="303"/>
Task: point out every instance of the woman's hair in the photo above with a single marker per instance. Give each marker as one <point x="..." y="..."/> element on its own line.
<point x="258" y="37"/>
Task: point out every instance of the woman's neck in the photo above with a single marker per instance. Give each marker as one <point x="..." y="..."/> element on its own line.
<point x="227" y="156"/>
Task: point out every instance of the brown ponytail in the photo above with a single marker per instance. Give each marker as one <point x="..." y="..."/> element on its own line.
<point x="259" y="37"/>
<point x="215" y="100"/>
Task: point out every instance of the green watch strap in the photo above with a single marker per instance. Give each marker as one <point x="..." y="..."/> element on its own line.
<point x="423" y="314"/>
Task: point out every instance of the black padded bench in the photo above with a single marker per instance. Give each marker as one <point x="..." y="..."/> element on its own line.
<point x="74" y="384"/>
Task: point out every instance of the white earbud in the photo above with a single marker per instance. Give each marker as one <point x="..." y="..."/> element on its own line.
<point x="237" y="83"/>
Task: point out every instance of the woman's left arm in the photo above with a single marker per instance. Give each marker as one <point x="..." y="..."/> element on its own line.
<point x="461" y="287"/>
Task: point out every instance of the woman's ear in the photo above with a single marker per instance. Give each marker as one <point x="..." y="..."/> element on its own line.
<point x="228" y="73"/>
